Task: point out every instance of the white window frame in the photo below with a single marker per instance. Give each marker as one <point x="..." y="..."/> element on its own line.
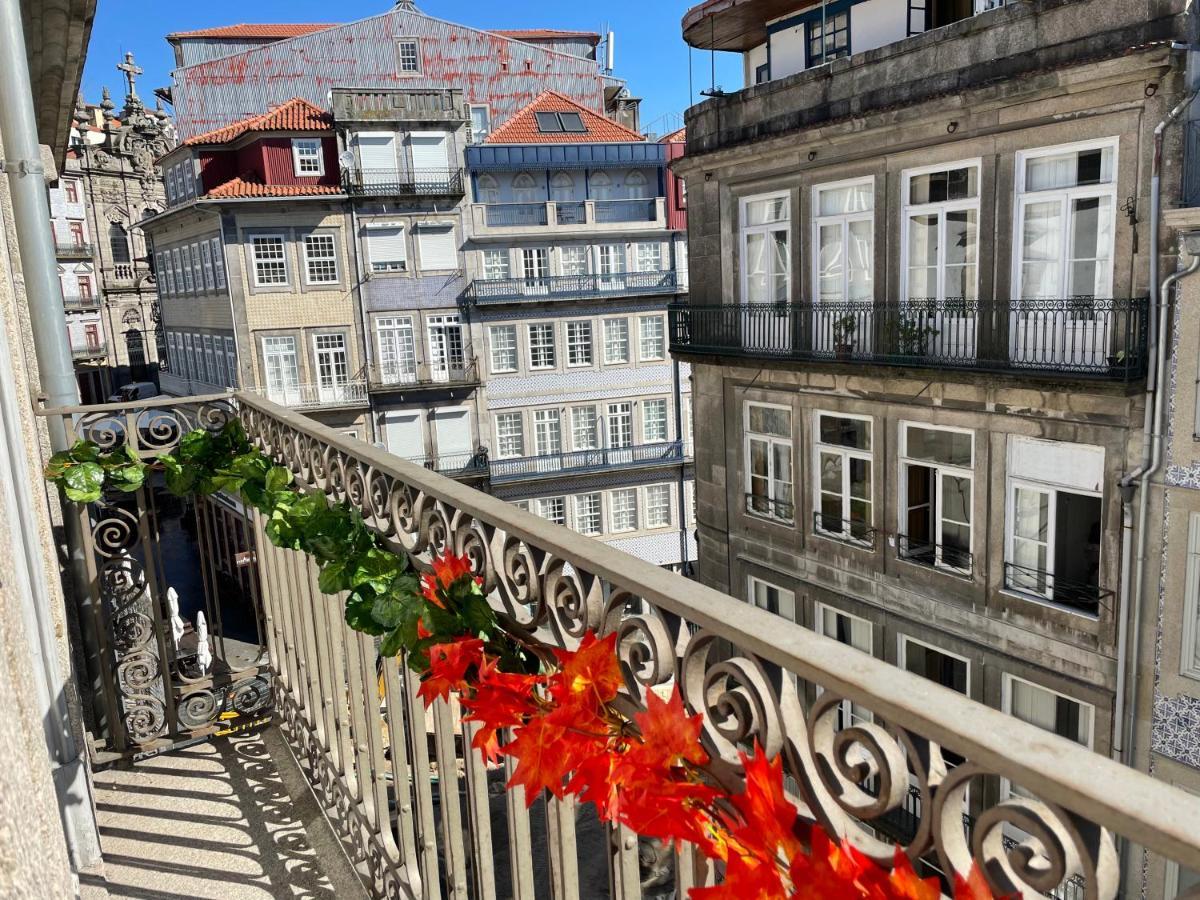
<point x="649" y="251"/>
<point x="206" y="259"/>
<point x="583" y="256"/>
<point x="753" y="581"/>
<point x="386" y="266"/>
<point x="746" y="231"/>
<point x="492" y="268"/>
<point x="595" y="428"/>
<point x="598" y="496"/>
<point x="846" y="453"/>
<point x="844" y="220"/>
<point x="646" y="506"/>
<point x="529" y="331"/>
<point x="852" y="713"/>
<point x="188" y="274"/>
<point x="541" y="504"/>
<point x="941" y="208"/>
<point x="514" y="349"/>
<point x="400" y="67"/>
<point x="612" y="517"/>
<point x="1190" y="655"/>
<point x="258" y="282"/>
<point x="666" y="420"/>
<point x="905" y="639"/>
<point x="476" y="137"/>
<point x="662" y="322"/>
<point x="1064" y="195"/>
<point x="587" y="346"/>
<point x="197" y="268"/>
<point x="509" y="416"/>
<point x="301" y="155"/>
<point x="309" y="259"/>
<point x="1006" y="698"/>
<point x="623" y="410"/>
<point x="547" y="425"/>
<point x="958" y="472"/>
<point x="625" y="341"/>
<point x="772" y="441"/>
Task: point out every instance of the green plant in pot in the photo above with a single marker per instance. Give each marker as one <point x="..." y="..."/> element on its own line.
<point x="844" y="328"/>
<point x="913" y="334"/>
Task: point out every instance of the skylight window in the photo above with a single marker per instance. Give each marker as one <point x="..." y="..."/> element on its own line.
<point x="557" y="122"/>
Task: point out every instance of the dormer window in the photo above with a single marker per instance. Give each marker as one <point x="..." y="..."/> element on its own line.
<point x="307" y="158"/>
<point x="559" y="122"/>
<point x="408" y="58"/>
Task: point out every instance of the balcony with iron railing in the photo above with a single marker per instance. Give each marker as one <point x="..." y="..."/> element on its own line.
<point x="416" y="814"/>
<point x="326" y="395"/>
<point x="1079" y="337"/>
<point x="463" y="466"/>
<point x="400" y="377"/>
<point x="80" y="304"/>
<point x="93" y="350"/>
<point x="485" y="291"/>
<point x="568" y="216"/>
<point x="408" y="183"/>
<point x="73" y="250"/>
<point x="584" y="462"/>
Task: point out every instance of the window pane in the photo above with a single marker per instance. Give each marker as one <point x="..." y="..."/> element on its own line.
<point x="616" y="341"/>
<point x="769" y="420"/>
<point x="1067" y="170"/>
<point x="652" y="338"/>
<point x="503" y="339"/>
<point x="952" y="448"/>
<point x="1041" y="250"/>
<point x="853" y="198"/>
<point x="764" y="212"/>
<point x="579" y="343"/>
<point x="510" y="439"/>
<point x="658" y="506"/>
<point x="587" y="514"/>
<point x="584" y="431"/>
<point x="654" y="421"/>
<point x="845" y="432"/>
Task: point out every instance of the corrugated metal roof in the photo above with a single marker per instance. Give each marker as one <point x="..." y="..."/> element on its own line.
<point x="514" y="157"/>
<point x="504" y="73"/>
<point x="523" y="128"/>
<point x="265" y="31"/>
<point x="546" y="34"/>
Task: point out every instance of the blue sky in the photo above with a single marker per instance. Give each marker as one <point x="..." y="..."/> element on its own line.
<point x="650" y="53"/>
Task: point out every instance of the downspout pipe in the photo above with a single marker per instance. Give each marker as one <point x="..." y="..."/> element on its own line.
<point x="31" y="216"/>
<point x="1133" y="568"/>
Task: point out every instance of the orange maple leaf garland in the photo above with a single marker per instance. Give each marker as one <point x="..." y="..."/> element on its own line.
<point x="647" y="774"/>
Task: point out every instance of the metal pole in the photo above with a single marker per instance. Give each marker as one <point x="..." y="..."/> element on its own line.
<point x="39" y="268"/>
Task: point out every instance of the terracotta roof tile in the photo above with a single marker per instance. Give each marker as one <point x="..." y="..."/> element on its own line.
<point x="296" y="114"/>
<point x="267" y="31"/>
<point x="522" y="128"/>
<point x="239" y="187"/>
<point x="546" y="34"/>
<point x="675" y="137"/>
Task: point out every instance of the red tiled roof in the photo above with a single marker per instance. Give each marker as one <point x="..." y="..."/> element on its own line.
<point x="267" y="31"/>
<point x="546" y="34"/>
<point x="522" y="128"/>
<point x="239" y="187"/>
<point x="675" y="137"/>
<point x="296" y="114"/>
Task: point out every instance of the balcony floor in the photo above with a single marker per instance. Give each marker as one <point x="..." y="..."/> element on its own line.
<point x="226" y="820"/>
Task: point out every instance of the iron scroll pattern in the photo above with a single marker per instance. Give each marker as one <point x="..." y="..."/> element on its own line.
<point x="847" y="776"/>
<point x="150" y="694"/>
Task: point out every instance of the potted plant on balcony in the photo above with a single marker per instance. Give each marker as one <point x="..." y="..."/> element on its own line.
<point x="1118" y="363"/>
<point x="843" y="335"/>
<point x="913" y="334"/>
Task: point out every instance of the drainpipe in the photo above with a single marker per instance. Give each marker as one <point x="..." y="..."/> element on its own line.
<point x="1129" y="626"/>
<point x="678" y="387"/>
<point x="31" y="217"/>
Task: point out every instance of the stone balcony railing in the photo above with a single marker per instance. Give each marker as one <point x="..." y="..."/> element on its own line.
<point x="915" y="750"/>
<point x="567" y="217"/>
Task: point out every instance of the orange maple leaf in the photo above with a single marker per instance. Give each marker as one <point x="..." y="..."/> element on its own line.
<point x="669" y="735"/>
<point x="973" y="887"/>
<point x="768" y="817"/>
<point x="499" y="700"/>
<point x="448" y="666"/>
<point x="746" y="878"/>
<point x="904" y="884"/>
<point x="590" y="674"/>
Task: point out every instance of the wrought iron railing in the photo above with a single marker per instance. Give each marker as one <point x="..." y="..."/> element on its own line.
<point x="611" y="211"/>
<point x="570" y="212"/>
<point x="852" y="531"/>
<point x="577" y="462"/>
<point x="456" y="465"/>
<point x="567" y="287"/>
<point x="77" y="303"/>
<point x="73" y="250"/>
<point x="927" y="552"/>
<point x="315" y="396"/>
<point x="771" y="508"/>
<point x="402" y="182"/>
<point x="1079" y="336"/>
<point x="424" y="375"/>
<point x="1065" y="592"/>
<point x="415" y="812"/>
<point x="89" y="351"/>
<point x="508" y="215"/>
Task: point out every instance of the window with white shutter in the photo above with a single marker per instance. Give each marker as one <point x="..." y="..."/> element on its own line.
<point x="435" y="244"/>
<point x="386" y="249"/>
<point x="218" y="256"/>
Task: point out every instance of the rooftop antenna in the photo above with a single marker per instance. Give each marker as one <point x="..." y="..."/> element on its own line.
<point x="609" y="51"/>
<point x="715" y="90"/>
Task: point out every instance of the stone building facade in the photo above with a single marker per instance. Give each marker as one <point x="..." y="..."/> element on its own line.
<point x="112" y="164"/>
<point x="920" y="327"/>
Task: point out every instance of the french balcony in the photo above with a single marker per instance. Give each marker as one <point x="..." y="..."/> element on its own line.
<point x="73" y="251"/>
<point x="586" y="462"/>
<point x="80" y="304"/>
<point x="406" y="183"/>
<point x="1074" y="338"/>
<point x="484" y="291"/>
<point x="94" y="350"/>
<point x="328" y="395"/>
<point x="463" y="466"/>
<point x="416" y="814"/>
<point x="566" y="217"/>
<point x="424" y="376"/>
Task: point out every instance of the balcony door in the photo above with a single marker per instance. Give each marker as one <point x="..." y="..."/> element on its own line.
<point x="844" y="267"/>
<point x="535" y="270"/>
<point x="452" y="432"/>
<point x="766" y="275"/>
<point x="377" y="157"/>
<point x="333" y="367"/>
<point x="446" y="355"/>
<point x="429" y="156"/>
<point x="397" y="350"/>
<point x="1066" y="211"/>
<point x="283" y="370"/>
<point x="937" y="317"/>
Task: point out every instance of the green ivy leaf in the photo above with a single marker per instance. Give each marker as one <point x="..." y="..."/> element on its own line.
<point x="179" y="481"/>
<point x="83" y="483"/>
<point x="278" y="478"/>
<point x="195" y="445"/>
<point x="335" y="577"/>
<point x="377" y="568"/>
<point x="477" y="614"/>
<point x="59" y="464"/>
<point x="392" y="644"/>
<point x="85" y="451"/>
<point x="127" y="478"/>
<point x="358" y="614"/>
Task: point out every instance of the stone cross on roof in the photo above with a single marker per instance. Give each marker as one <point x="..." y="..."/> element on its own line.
<point x="131" y="71"/>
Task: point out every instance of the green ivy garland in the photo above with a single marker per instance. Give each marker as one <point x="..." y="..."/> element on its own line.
<point x="383" y="593"/>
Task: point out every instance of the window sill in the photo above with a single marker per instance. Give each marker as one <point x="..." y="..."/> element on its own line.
<point x="1017" y="594"/>
<point x="770" y="520"/>
<point x="868" y="546"/>
<point x="961" y="574"/>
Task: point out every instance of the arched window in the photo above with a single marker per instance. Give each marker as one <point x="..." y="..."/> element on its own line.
<point x="524" y="189"/>
<point x="635" y="185"/>
<point x="135" y="346"/>
<point x="489" y="191"/>
<point x="562" y="188"/>
<point x="600" y="186"/>
<point x="118" y="242"/>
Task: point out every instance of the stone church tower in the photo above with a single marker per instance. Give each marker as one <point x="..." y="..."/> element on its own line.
<point x="115" y="154"/>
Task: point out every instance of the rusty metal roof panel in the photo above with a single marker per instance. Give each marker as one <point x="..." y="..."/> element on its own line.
<point x="504" y="73"/>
